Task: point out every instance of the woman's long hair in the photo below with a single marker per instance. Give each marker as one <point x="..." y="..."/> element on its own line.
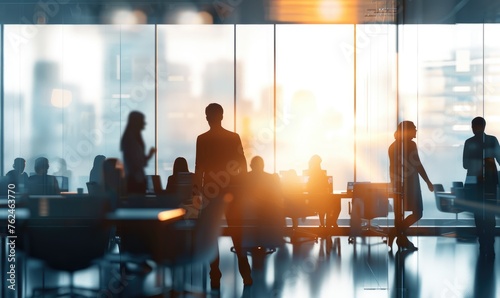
<point x="180" y="165"/>
<point x="402" y="129"/>
<point x="133" y="129"/>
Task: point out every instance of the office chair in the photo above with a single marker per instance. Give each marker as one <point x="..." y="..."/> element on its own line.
<point x="447" y="202"/>
<point x="63" y="182"/>
<point x="67" y="235"/>
<point x="196" y="243"/>
<point x="370" y="200"/>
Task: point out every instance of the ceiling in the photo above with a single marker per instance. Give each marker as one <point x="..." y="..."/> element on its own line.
<point x="250" y="11"/>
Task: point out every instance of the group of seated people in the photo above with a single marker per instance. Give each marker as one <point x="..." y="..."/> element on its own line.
<point x="107" y="175"/>
<point x="40" y="183"/>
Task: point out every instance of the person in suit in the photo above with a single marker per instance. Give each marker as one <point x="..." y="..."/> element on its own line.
<point x="41" y="183"/>
<point x="134" y="157"/>
<point x="17" y="176"/>
<point x="405" y="168"/>
<point x="480" y="155"/>
<point x="220" y="161"/>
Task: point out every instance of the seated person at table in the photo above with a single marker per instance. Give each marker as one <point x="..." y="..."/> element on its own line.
<point x="180" y="166"/>
<point x="115" y="186"/>
<point x="264" y="191"/>
<point x="41" y="183"/>
<point x="97" y="172"/>
<point x="317" y="184"/>
<point x="96" y="177"/>
<point x="17" y="176"/>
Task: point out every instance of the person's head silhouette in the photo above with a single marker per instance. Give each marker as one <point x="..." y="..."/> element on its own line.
<point x="180" y="165"/>
<point x="257" y="164"/>
<point x="136" y="121"/>
<point x="405" y="130"/>
<point x="41" y="166"/>
<point x="478" y="125"/>
<point x="99" y="160"/>
<point x="214" y="114"/>
<point x="19" y="165"/>
<point x="315" y="162"/>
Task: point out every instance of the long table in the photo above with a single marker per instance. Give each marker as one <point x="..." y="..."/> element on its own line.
<point x="12" y="220"/>
<point x="298" y="205"/>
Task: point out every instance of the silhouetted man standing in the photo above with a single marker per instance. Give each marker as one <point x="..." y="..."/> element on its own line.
<point x="480" y="152"/>
<point x="219" y="162"/>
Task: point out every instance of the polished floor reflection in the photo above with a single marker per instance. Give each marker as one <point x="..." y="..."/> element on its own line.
<point x="330" y="267"/>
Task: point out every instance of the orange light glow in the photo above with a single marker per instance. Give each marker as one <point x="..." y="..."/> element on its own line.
<point x="171" y="214"/>
<point x="315" y="11"/>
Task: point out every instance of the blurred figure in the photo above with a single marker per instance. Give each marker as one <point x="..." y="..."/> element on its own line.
<point x="265" y="203"/>
<point x="60" y="168"/>
<point x="219" y="162"/>
<point x="96" y="176"/>
<point x="63" y="175"/>
<point x="96" y="173"/>
<point x="317" y="184"/>
<point x="405" y="168"/>
<point x="480" y="153"/>
<point x="113" y="181"/>
<point x="180" y="166"/>
<point x="17" y="176"/>
<point x="134" y="158"/>
<point x="41" y="183"/>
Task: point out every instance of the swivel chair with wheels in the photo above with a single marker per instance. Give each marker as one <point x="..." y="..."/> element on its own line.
<point x="370" y="200"/>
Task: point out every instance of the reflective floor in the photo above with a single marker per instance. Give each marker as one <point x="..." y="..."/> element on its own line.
<point x="331" y="267"/>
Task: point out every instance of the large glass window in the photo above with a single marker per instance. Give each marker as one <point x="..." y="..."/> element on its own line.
<point x="376" y="103"/>
<point x="68" y="92"/>
<point x="196" y="67"/>
<point x="255" y="109"/>
<point x="448" y="75"/>
<point x="315" y="99"/>
<point x="290" y="91"/>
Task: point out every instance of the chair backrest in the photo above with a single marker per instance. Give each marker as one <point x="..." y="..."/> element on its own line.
<point x="438" y="188"/>
<point x="63" y="182"/>
<point x="184" y="187"/>
<point x="95" y="189"/>
<point x="455" y="185"/>
<point x="154" y="185"/>
<point x="66" y="233"/>
<point x="375" y="198"/>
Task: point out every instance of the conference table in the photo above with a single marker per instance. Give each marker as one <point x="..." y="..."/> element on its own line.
<point x="303" y="204"/>
<point x="14" y="216"/>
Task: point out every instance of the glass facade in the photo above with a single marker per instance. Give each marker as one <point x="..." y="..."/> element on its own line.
<point x="290" y="91"/>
